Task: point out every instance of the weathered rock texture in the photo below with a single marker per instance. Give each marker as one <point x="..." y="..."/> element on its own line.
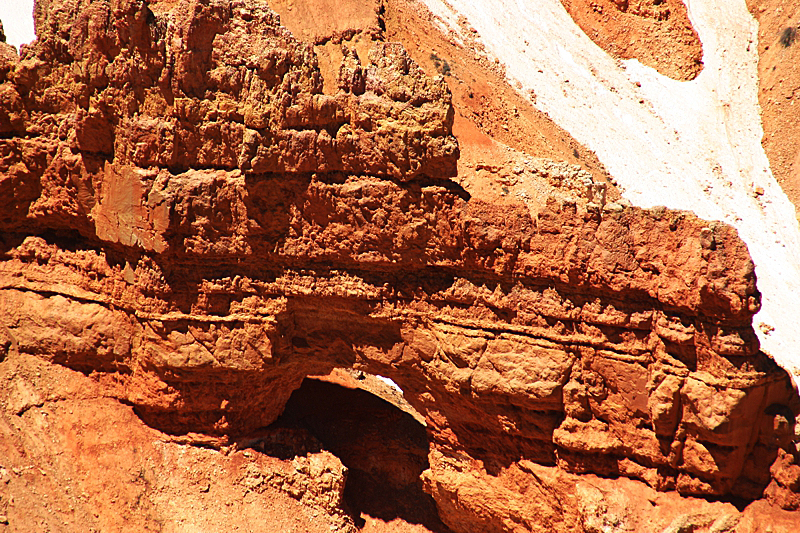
<point x="656" y="32"/>
<point x="190" y="220"/>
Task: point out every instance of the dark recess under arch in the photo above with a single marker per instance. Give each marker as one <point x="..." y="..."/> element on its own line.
<point x="384" y="449"/>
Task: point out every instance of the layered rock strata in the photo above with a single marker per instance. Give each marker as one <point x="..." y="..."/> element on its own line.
<point x="192" y="222"/>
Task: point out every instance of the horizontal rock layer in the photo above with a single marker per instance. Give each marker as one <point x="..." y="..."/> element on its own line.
<point x="196" y="225"/>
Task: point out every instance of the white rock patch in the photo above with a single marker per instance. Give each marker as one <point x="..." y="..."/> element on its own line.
<point x="17" y="17"/>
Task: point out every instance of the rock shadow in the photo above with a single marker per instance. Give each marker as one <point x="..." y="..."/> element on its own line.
<point x="384" y="449"/>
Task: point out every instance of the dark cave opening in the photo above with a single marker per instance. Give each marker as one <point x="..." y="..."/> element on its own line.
<point x="384" y="449"/>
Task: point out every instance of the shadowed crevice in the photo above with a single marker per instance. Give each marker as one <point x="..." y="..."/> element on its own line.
<point x="384" y="449"/>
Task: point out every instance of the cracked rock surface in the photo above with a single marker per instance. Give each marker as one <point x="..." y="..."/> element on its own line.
<point x="193" y="225"/>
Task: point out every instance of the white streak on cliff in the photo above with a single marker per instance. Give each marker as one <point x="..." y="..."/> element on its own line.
<point x="17" y="17"/>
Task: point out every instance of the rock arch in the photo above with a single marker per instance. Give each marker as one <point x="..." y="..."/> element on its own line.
<point x="202" y="256"/>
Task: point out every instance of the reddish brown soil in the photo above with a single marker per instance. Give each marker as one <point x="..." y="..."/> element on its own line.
<point x="779" y="89"/>
<point x="656" y="32"/>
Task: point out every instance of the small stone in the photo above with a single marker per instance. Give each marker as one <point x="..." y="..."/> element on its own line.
<point x="624" y="202"/>
<point x="681" y="524"/>
<point x="707" y="240"/>
<point x="3" y="519"/>
<point x="759" y="191"/>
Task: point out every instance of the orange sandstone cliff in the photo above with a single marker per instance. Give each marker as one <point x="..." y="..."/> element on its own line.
<point x="201" y="210"/>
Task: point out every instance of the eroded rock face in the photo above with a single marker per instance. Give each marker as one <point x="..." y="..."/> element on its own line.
<point x="656" y="32"/>
<point x="116" y="86"/>
<point x="193" y="222"/>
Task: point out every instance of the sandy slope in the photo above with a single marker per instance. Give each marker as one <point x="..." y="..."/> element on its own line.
<point x="779" y="92"/>
<point x="687" y="145"/>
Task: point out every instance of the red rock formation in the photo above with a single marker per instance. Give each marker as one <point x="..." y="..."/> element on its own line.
<point x="656" y="32"/>
<point x="194" y="223"/>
